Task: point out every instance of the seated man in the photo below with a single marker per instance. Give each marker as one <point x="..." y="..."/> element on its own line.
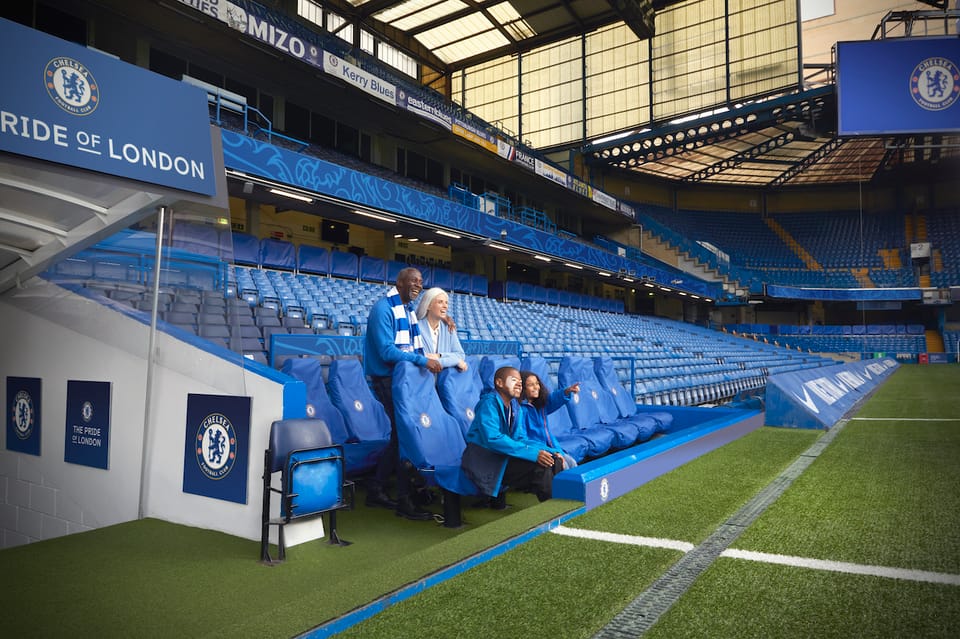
<point x="498" y="456"/>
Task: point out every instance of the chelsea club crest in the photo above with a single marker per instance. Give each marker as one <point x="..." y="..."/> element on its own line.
<point x="935" y="84"/>
<point x="23" y="414"/>
<point x="71" y="86"/>
<point x="216" y="446"/>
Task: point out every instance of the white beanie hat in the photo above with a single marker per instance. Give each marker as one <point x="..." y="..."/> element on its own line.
<point x="426" y="299"/>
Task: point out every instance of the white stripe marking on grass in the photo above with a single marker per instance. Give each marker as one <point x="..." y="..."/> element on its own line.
<point x="842" y="566"/>
<point x="617" y="538"/>
<point x="905" y="419"/>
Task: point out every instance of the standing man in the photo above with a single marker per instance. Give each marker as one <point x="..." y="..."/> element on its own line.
<point x="498" y="456"/>
<point x="393" y="336"/>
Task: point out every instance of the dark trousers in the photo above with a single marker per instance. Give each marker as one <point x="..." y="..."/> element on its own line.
<point x="522" y="474"/>
<point x="390" y="459"/>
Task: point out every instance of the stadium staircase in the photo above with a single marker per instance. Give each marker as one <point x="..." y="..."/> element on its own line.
<point x="934" y="341"/>
<point x="788" y="239"/>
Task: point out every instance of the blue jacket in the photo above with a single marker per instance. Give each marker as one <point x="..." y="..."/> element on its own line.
<point x="379" y="351"/>
<point x="491" y="440"/>
<point x="451" y="352"/>
<point x="533" y="421"/>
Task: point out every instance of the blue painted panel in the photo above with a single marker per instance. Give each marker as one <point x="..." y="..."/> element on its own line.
<point x="819" y="398"/>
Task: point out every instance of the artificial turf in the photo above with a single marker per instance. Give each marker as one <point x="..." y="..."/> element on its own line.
<point x="552" y="586"/>
<point x="884" y="492"/>
<point x="689" y="502"/>
<point x="749" y="600"/>
<point x="153" y="578"/>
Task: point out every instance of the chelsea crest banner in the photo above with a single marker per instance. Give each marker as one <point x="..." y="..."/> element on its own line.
<point x="901" y="85"/>
<point x="217" y="447"/>
<point x="23" y="414"/>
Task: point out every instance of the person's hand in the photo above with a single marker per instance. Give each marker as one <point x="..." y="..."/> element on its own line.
<point x="434" y="365"/>
<point x="545" y="458"/>
<point x="572" y="389"/>
<point x="451" y="325"/>
<point x="435" y="356"/>
<point x="462" y="365"/>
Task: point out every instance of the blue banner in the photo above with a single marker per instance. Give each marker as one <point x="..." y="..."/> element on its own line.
<point x="843" y="294"/>
<point x="87" y="432"/>
<point x="23" y="414"/>
<point x="899" y="85"/>
<point x="819" y="398"/>
<point x="216" y="448"/>
<point x="71" y="105"/>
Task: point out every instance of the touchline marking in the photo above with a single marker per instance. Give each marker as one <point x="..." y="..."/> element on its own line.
<point x="766" y="557"/>
<point x="905" y="419"/>
<point x="633" y="540"/>
<point x="842" y="566"/>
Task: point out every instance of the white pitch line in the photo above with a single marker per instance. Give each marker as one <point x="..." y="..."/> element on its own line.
<point x="769" y="558"/>
<point x="842" y="566"/>
<point x="633" y="540"/>
<point x="905" y="419"/>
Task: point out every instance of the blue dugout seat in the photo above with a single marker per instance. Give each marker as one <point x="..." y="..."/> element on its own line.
<point x="361" y="455"/>
<point x="576" y="445"/>
<point x="429" y="437"/>
<point x="459" y="391"/>
<point x="648" y="423"/>
<point x="363" y="414"/>
<point x="311" y="481"/>
<point x="592" y="410"/>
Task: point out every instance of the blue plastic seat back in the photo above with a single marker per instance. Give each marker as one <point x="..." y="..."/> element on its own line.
<point x="310" y="372"/>
<point x="607" y="375"/>
<point x="363" y="414"/>
<point x="428" y="436"/>
<point x="584" y="407"/>
<point x="489" y="366"/>
<point x="289" y="435"/>
<point x="459" y="391"/>
<point x="315" y="479"/>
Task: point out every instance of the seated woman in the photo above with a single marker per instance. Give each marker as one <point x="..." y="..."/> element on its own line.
<point x="536" y="402"/>
<point x="439" y="342"/>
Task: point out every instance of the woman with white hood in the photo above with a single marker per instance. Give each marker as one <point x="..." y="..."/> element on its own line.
<point x="439" y="341"/>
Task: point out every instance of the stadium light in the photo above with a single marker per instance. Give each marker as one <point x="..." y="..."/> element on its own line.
<point x="294" y="196"/>
<point x="449" y="234"/>
<point x="541" y="258"/>
<point x="498" y="247"/>
<point x="576" y="266"/>
<point x="603" y="274"/>
<point x="382" y="218"/>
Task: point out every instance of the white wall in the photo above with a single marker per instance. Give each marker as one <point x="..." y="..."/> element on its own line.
<point x="58" y="336"/>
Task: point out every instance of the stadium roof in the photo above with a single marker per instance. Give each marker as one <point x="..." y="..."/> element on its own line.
<point x="460" y="33"/>
<point x="781" y="141"/>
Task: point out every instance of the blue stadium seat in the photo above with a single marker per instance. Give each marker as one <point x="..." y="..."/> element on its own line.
<point x="246" y="249"/>
<point x="363" y="414"/>
<point x="311" y="481"/>
<point x="430" y="438"/>
<point x="593" y="409"/>
<point x="360" y="456"/>
<point x="344" y="264"/>
<point x="459" y="391"/>
<point x="313" y="259"/>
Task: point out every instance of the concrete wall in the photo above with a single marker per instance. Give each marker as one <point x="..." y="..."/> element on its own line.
<point x="57" y="336"/>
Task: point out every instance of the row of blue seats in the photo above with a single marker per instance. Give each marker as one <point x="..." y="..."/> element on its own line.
<point x="433" y="415"/>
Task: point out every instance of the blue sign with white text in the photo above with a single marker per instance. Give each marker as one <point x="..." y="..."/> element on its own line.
<point x="71" y="105"/>
<point x="820" y="397"/>
<point x="87" y="433"/>
<point x="217" y="447"/>
<point x="23" y="415"/>
<point x="901" y="85"/>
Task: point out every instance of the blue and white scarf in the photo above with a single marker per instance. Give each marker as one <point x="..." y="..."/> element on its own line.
<point x="406" y="333"/>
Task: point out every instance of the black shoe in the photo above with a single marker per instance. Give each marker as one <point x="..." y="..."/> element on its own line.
<point x="380" y="498"/>
<point x="499" y="502"/>
<point x="406" y="508"/>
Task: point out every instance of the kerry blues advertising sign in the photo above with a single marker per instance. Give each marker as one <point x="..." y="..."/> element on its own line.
<point x="65" y="103"/>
